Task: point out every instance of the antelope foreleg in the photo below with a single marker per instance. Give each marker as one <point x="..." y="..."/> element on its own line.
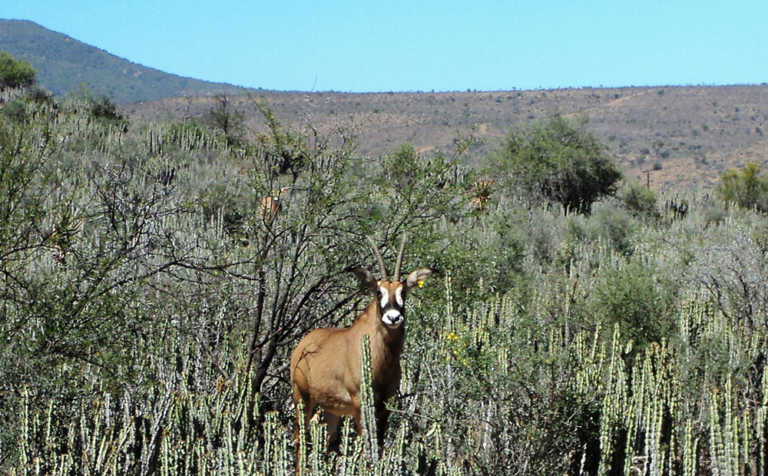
<point x="333" y="430"/>
<point x="382" y="415"/>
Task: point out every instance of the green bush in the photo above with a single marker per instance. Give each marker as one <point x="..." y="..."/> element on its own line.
<point x="39" y="95"/>
<point x="637" y="297"/>
<point x="105" y="109"/>
<point x="14" y="72"/>
<point x="747" y="188"/>
<point x="558" y="161"/>
<point x="713" y="212"/>
<point x="15" y="110"/>
<point x="639" y="200"/>
<point x="613" y="225"/>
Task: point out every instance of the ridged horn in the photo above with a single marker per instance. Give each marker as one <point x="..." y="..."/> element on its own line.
<point x="377" y="253"/>
<point x="396" y="276"/>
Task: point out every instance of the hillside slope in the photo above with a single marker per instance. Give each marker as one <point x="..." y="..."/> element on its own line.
<point x="678" y="136"/>
<point x="681" y="135"/>
<point x="64" y="65"/>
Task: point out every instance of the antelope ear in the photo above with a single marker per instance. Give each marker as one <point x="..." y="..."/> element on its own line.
<point x="417" y="277"/>
<point x="365" y="276"/>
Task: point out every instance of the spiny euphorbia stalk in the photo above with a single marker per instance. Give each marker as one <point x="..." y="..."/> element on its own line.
<point x="318" y="436"/>
<point x="302" y="441"/>
<point x="368" y="410"/>
<point x="347" y="460"/>
<point x="270" y="430"/>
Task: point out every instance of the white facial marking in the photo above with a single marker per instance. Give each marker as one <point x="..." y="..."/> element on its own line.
<point x="399" y="296"/>
<point x="384" y="296"/>
<point x="392" y="318"/>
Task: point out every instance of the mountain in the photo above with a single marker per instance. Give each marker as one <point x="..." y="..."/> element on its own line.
<point x="64" y="65"/>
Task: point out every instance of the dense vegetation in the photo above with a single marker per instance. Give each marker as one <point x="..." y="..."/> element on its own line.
<point x="149" y="307"/>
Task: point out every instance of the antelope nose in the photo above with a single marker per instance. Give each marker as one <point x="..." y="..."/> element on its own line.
<point x="392" y="318"/>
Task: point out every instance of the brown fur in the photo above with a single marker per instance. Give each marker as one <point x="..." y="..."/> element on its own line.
<point x="271" y="204"/>
<point x="482" y="190"/>
<point x="326" y="364"/>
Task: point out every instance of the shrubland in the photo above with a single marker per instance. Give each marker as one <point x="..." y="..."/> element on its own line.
<point x="149" y="304"/>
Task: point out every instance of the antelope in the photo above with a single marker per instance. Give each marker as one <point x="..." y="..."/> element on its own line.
<point x="326" y="364"/>
<point x="271" y="204"/>
<point x="482" y="189"/>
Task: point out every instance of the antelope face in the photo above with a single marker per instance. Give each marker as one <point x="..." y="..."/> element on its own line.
<point x="391" y="297"/>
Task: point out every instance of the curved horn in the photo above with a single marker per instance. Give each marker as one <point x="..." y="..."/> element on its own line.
<point x="377" y="253"/>
<point x="396" y="276"/>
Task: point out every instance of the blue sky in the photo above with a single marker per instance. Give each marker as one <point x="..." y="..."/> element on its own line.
<point x="421" y="46"/>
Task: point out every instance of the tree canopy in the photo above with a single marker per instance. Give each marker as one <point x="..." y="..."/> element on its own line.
<point x="746" y="188"/>
<point x="558" y="160"/>
<point x="14" y="72"/>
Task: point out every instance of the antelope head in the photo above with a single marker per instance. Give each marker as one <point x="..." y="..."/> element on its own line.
<point x="390" y="295"/>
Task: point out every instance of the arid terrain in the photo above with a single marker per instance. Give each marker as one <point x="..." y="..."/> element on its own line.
<point x="681" y="135"/>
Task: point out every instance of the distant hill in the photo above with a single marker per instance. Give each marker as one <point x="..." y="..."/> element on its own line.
<point x="63" y="64"/>
<point x="681" y="135"/>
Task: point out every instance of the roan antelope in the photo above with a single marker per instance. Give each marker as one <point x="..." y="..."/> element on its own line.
<point x="271" y="204"/>
<point x="326" y="364"/>
<point x="481" y="191"/>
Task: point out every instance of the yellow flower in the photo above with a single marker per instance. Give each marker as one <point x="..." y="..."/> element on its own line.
<point x="421" y="284"/>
